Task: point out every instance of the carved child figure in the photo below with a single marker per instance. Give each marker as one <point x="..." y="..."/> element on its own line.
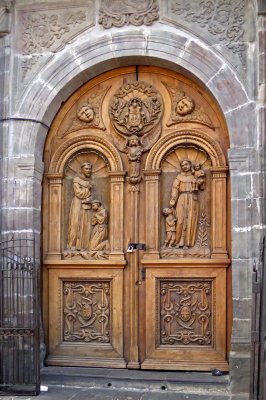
<point x="200" y="176"/>
<point x="170" y="227"/>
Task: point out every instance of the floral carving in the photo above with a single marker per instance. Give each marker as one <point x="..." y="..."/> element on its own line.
<point x="186" y="313"/>
<point x="118" y="13"/>
<point x="223" y="18"/>
<point x="43" y="31"/>
<point x="184" y="109"/>
<point x="86" y="315"/>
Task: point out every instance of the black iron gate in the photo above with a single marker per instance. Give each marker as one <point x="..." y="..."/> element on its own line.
<point x="19" y="318"/>
<point x="258" y="351"/>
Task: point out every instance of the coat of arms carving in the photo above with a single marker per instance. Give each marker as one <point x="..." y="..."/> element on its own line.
<point x="136" y="111"/>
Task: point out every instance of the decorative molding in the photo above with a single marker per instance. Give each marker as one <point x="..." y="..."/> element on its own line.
<point x="196" y="137"/>
<point x="221" y="18"/>
<point x="118" y="13"/>
<point x="81" y="143"/>
<point x="184" y="109"/>
<point x="50" y="29"/>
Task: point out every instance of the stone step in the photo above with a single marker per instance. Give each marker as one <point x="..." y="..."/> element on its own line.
<point x="112" y="382"/>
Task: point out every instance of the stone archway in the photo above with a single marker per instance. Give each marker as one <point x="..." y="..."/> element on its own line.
<point x="70" y="69"/>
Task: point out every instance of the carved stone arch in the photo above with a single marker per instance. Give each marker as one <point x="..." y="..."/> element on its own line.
<point x="218" y="172"/>
<point x="85" y="142"/>
<point x="195" y="137"/>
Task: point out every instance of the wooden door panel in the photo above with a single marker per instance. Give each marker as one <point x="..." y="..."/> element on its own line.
<point x="137" y="155"/>
<point x="85" y="311"/>
<point x="185" y="317"/>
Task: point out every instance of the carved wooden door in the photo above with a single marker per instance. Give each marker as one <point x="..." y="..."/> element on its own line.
<point x="136" y="265"/>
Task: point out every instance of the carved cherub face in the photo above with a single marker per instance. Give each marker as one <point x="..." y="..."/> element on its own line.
<point x="86" y="113"/>
<point x="86" y="169"/>
<point x="185" y="106"/>
<point x="185" y="165"/>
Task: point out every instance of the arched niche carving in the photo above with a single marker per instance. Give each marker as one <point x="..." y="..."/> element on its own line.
<point x="65" y="166"/>
<point x="200" y="149"/>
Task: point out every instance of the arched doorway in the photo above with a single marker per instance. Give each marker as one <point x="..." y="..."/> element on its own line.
<point x="136" y="226"/>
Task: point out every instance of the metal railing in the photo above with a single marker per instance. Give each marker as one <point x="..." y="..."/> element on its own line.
<point x="19" y="318"/>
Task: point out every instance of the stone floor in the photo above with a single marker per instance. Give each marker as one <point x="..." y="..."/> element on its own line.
<point x="110" y="384"/>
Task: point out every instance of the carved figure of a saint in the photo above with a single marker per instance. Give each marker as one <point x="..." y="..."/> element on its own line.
<point x="79" y="217"/>
<point x="99" y="234"/>
<point x="185" y="200"/>
<point x="134" y="152"/>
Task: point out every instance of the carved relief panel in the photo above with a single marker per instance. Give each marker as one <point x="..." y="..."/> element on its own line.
<point x="86" y="311"/>
<point x="185" y="200"/>
<point x="86" y="192"/>
<point x="186" y="313"/>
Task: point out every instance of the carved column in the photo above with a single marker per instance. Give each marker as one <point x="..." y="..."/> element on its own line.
<point x="219" y="217"/>
<point x="55" y="184"/>
<point x="117" y="216"/>
<point x="152" y="214"/>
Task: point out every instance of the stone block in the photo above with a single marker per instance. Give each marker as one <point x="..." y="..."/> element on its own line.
<point x="242" y="124"/>
<point x="156" y="42"/>
<point x="243" y="160"/>
<point x="242" y="308"/>
<point x="202" y="60"/>
<point x="241" y="213"/>
<point x="242" y="278"/>
<point x="241" y="186"/>
<point x="262" y="67"/>
<point x="227" y="90"/>
<point x="241" y="243"/>
<point x="240" y="373"/>
<point x="241" y="330"/>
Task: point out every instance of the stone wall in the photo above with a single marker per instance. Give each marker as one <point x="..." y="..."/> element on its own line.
<point x="49" y="49"/>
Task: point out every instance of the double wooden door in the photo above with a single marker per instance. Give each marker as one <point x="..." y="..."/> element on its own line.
<point x="135" y="225"/>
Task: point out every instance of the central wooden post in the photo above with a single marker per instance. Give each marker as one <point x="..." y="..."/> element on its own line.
<point x="133" y="362"/>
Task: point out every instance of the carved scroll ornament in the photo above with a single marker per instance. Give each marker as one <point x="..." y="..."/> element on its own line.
<point x="136" y="111"/>
<point x="86" y="313"/>
<point x="124" y="12"/>
<point x="184" y="109"/>
<point x="186" y="313"/>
